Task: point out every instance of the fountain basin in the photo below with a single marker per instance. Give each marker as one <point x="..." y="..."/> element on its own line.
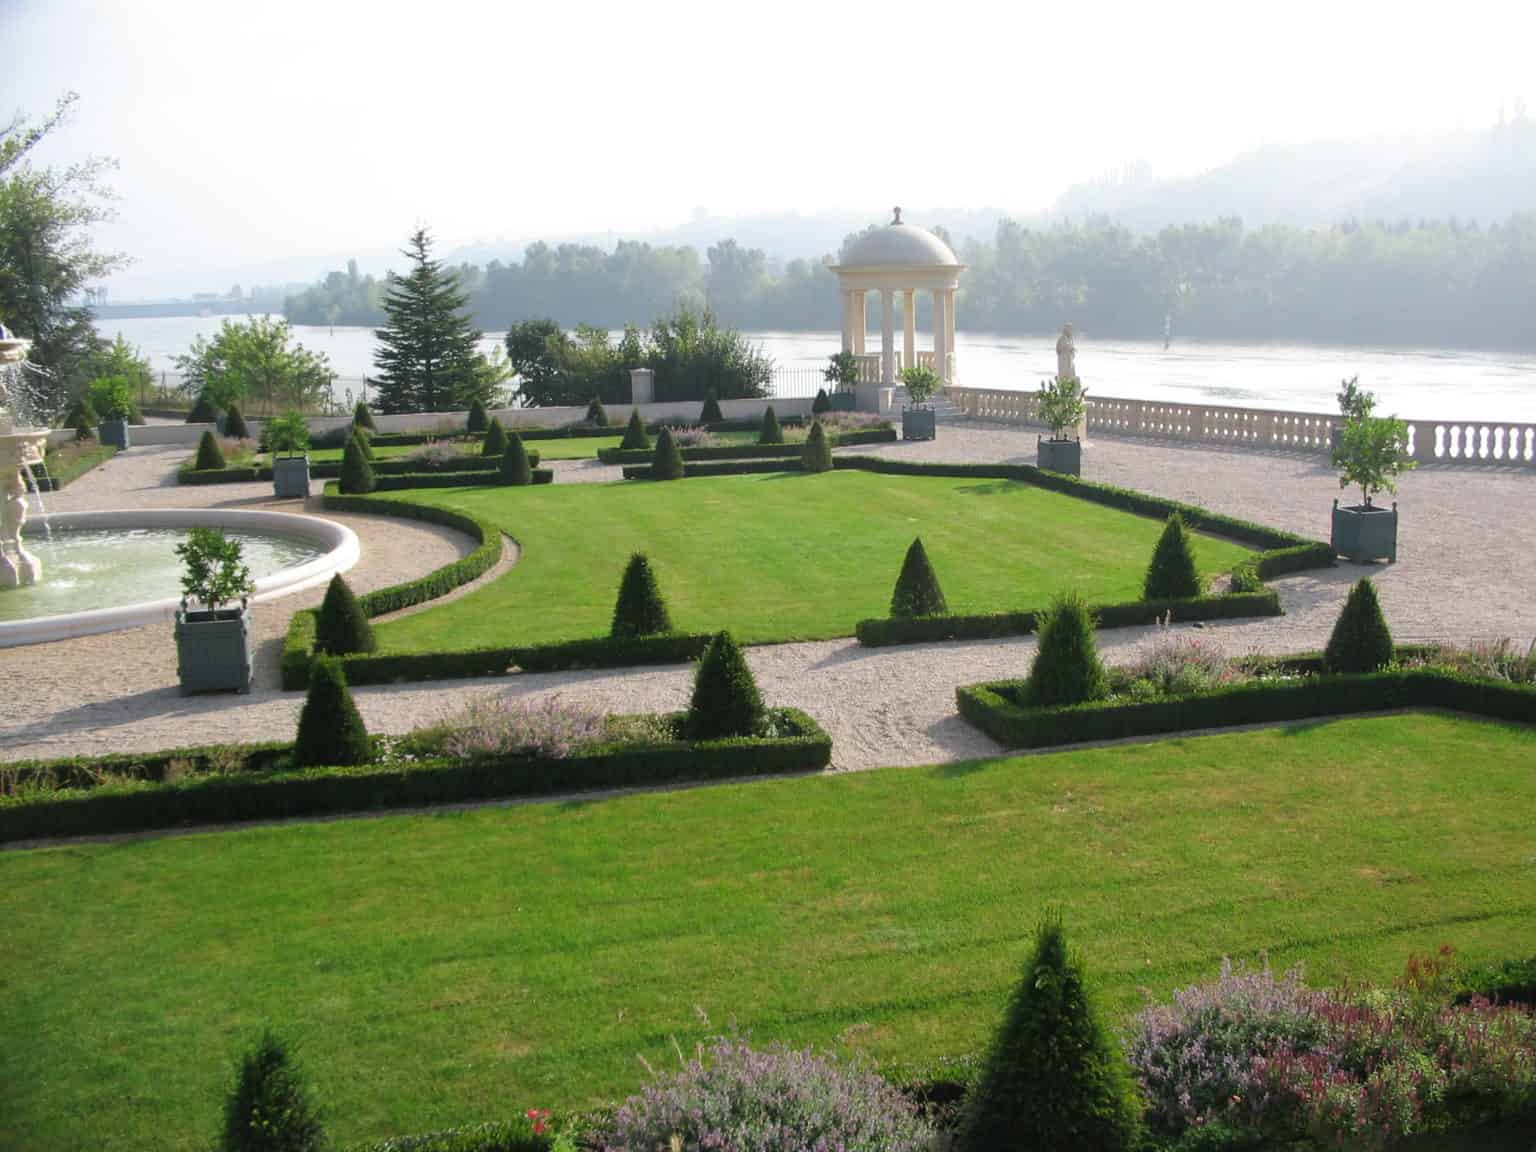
<point x="331" y="548"/>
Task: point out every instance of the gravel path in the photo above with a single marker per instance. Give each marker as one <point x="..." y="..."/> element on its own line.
<point x="1465" y="540"/>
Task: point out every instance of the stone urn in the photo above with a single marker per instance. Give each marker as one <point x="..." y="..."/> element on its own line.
<point x="1064" y="456"/>
<point x="1364" y="533"/>
<point x="213" y="649"/>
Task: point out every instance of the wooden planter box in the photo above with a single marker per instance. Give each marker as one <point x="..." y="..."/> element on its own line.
<point x="919" y="424"/>
<point x="113" y="433"/>
<point x="213" y="650"/>
<point x="1362" y="534"/>
<point x="290" y="477"/>
<point x="1064" y="456"/>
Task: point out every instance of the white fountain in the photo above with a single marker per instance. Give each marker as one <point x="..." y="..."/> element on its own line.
<point x="20" y="448"/>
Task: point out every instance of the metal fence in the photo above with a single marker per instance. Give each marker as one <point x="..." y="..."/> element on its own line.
<point x="169" y="390"/>
<point x="796" y="383"/>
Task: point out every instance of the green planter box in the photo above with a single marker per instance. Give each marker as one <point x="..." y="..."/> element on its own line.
<point x="1362" y="534"/>
<point x="844" y="401"/>
<point x="213" y="650"/>
<point x="290" y="477"/>
<point x="1064" y="456"/>
<point x="113" y="433"/>
<point x="919" y="424"/>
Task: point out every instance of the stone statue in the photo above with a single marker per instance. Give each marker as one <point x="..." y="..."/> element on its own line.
<point x="1066" y="355"/>
<point x="895" y="216"/>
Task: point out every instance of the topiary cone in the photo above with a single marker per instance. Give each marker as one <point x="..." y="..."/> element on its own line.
<point x="917" y="588"/>
<point x="356" y="472"/>
<point x="341" y="626"/>
<point x="816" y="456"/>
<point x="209" y="454"/>
<point x="1172" y="575"/>
<point x="667" y="462"/>
<point x="769" y="431"/>
<point x="596" y="413"/>
<point x="495" y="442"/>
<point x="205" y="411"/>
<point x="270" y="1108"/>
<point x="364" y="440"/>
<point x="330" y="730"/>
<point x="234" y="424"/>
<point x="635" y="439"/>
<point x="710" y="413"/>
<point x="640" y="609"/>
<point x="1361" y="641"/>
<point x="1067" y="669"/>
<point x="515" y="468"/>
<point x="725" y="698"/>
<point x="476" y="421"/>
<point x="822" y="403"/>
<point x="362" y="418"/>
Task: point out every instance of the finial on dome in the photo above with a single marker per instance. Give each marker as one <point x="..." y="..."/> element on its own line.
<point x="896" y="215"/>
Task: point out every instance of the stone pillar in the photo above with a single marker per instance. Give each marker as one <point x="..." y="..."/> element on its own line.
<point x="847" y="321"/>
<point x="887" y="338"/>
<point x="909" y="328"/>
<point x="642" y="385"/>
<point x="946" y="370"/>
<point x="860" y="314"/>
<point x="940" y="333"/>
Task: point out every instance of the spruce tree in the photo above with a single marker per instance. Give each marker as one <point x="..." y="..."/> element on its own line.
<point x="667" y="461"/>
<point x="1172" y="575"/>
<point x="725" y="699"/>
<point x="1361" y="641"/>
<point x="331" y="731"/>
<point x="234" y="423"/>
<point x="269" y="1108"/>
<point x="822" y="403"/>
<point x="769" y="431"/>
<point x="356" y="472"/>
<point x="640" y="609"/>
<point x="341" y="627"/>
<point x="495" y="442"/>
<point x="816" y="456"/>
<point x="476" y="422"/>
<point x="1067" y="669"/>
<point x="364" y="440"/>
<point x="635" y="439"/>
<point x="362" y="417"/>
<point x="428" y="350"/>
<point x="209" y="454"/>
<point x="710" y="413"/>
<point x="917" y="588"/>
<point x="596" y="413"/>
<point x="205" y="411"/>
<point x="1055" y="1078"/>
<point x="515" y="468"/>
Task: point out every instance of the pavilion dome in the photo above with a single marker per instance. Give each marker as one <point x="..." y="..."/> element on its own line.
<point x="899" y="246"/>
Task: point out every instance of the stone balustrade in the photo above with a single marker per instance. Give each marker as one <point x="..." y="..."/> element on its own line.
<point x="1467" y="443"/>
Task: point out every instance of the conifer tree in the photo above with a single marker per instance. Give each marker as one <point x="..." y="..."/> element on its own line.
<point x="428" y="350"/>
<point x="596" y="413"/>
<point x="635" y="439"/>
<point x="1361" y="641"/>
<point x="362" y="417"/>
<point x="667" y="461"/>
<point x="205" y="411"/>
<point x="269" y="1108"/>
<point x="495" y="442"/>
<point x="710" y="413"/>
<point x="476" y="421"/>
<point x="341" y="627"/>
<point x="515" y="468"/>
<point x="725" y="699"/>
<point x="816" y="456"/>
<point x="331" y="732"/>
<point x="917" y="588"/>
<point x="640" y="609"/>
<point x="1067" y="668"/>
<point x="769" y="431"/>
<point x="209" y="454"/>
<point x="364" y="440"/>
<point x="1172" y="575"/>
<point x="822" y="403"/>
<point x="356" y="472"/>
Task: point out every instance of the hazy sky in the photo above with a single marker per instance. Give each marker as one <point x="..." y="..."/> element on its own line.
<point x="265" y="139"/>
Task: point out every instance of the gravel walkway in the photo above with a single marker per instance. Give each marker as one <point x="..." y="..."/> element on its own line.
<point x="1463" y="573"/>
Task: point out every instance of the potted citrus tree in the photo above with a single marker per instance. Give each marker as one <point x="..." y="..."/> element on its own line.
<point x="213" y="643"/>
<point x="1369" y="452"/>
<point x="842" y="376"/>
<point x="1062" y="403"/>
<point x="917" y="419"/>
<point x="288" y="441"/>
<point x="112" y="397"/>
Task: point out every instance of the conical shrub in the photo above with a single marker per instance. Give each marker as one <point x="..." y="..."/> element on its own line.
<point x="1055" y="1078"/>
<point x="362" y="418"/>
<point x="917" y="588"/>
<point x="477" y="420"/>
<point x="596" y="413"/>
<point x="769" y="431"/>
<point x="82" y="418"/>
<point x="515" y="468"/>
<point x="270" y="1108"/>
<point x="209" y="454"/>
<point x="356" y="472"/>
<point x="822" y="403"/>
<point x="1172" y="573"/>
<point x="364" y="440"/>
<point x="341" y="626"/>
<point x="816" y="456"/>
<point x="725" y="698"/>
<point x="204" y="411"/>
<point x="1067" y="669"/>
<point x="640" y="610"/>
<point x="330" y="730"/>
<point x="710" y="413"/>
<point x="495" y="442"/>
<point x="234" y="423"/>
<point x="667" y="460"/>
<point x="635" y="439"/>
<point x="1361" y="640"/>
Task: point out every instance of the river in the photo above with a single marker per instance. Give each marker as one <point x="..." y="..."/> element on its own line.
<point x="1417" y="383"/>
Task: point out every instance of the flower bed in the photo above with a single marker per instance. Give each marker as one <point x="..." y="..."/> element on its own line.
<point x="640" y="456"/>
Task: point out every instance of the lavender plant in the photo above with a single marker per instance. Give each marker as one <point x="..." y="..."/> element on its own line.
<point x="499" y="726"/>
<point x="1176" y="664"/>
<point x="435" y="453"/>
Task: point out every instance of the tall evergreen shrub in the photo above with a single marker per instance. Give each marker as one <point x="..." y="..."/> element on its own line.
<point x="475" y="423"/>
<point x="635" y="438"/>
<point x="362" y="418"/>
<point x="822" y="403"/>
<point x="1067" y="669"/>
<point x="640" y="610"/>
<point x="710" y="413"/>
<point x="234" y="423"/>
<point x="341" y="627"/>
<point x="356" y="472"/>
<point x="364" y="440"/>
<point x="495" y="442"/>
<point x="725" y="698"/>
<point x="667" y="461"/>
<point x="816" y="456"/>
<point x="596" y="413"/>
<point x="331" y="731"/>
<point x="1055" y="1077"/>
<point x="1361" y="640"/>
<point x="917" y="588"/>
<point x="270" y="1107"/>
<point x="209" y="454"/>
<point x="768" y="431"/>
<point x="1172" y="573"/>
<point x="82" y="418"/>
<point x="515" y="468"/>
<point x="204" y="411"/>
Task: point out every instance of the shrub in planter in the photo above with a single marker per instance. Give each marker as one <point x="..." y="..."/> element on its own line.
<point x="710" y="413"/>
<point x="596" y="414"/>
<point x="476" y="422"/>
<point x="331" y="731"/>
<point x="770" y="432"/>
<point x="816" y="456"/>
<point x="235" y="426"/>
<point x="1361" y="640"/>
<point x="725" y="698"/>
<point x="204" y="411"/>
<point x="635" y="439"/>
<point x="209" y="454"/>
<point x="213" y="645"/>
<point x="1369" y="451"/>
<point x="270" y="1107"/>
<point x="356" y="472"/>
<point x="841" y="375"/>
<point x="640" y="609"/>
<point x="341" y="627"/>
<point x="667" y="463"/>
<point x="917" y="588"/>
<point x="515" y="468"/>
<point x="362" y="418"/>
<point x="1172" y="573"/>
<point x="822" y="403"/>
<point x="1055" y="1077"/>
<point x="287" y="438"/>
<point x="1067" y="668"/>
<point x="495" y="442"/>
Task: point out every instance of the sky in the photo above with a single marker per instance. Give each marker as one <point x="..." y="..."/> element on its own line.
<point x="267" y="140"/>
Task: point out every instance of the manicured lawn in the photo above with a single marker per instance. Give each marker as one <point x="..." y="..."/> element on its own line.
<point x="469" y="965"/>
<point x="783" y="556"/>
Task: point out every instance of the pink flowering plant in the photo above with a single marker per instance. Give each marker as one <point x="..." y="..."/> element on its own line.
<point x="1176" y="664"/>
<point x="435" y="453"/>
<point x="499" y="726"/>
<point x="693" y="437"/>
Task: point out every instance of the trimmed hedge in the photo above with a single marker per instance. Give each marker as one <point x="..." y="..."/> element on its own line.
<point x="400" y="482"/>
<point x="331" y="469"/>
<point x="723" y="468"/>
<point x="747" y="451"/>
<point x="1129" y="614"/>
<point x="284" y="794"/>
<point x="994" y="707"/>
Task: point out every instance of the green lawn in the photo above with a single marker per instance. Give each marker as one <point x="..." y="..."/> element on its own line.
<point x="469" y="965"/>
<point x="783" y="556"/>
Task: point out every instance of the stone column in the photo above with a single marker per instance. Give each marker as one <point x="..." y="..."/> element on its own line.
<point x="940" y="333"/>
<point x="860" y="314"/>
<point x="847" y="321"/>
<point x="946" y="370"/>
<point x="887" y="337"/>
<point x="909" y="328"/>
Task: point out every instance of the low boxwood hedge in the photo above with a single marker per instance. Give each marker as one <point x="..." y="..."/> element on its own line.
<point x="515" y="1136"/>
<point x="331" y="470"/>
<point x="221" y="787"/>
<point x="747" y="451"/>
<point x="994" y="707"/>
<point x="480" y="478"/>
<point x="723" y="468"/>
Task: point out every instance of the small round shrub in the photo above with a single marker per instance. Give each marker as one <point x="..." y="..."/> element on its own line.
<point x="204" y="411"/>
<point x="364" y="439"/>
<point x="341" y="627"/>
<point x="362" y="418"/>
<point x="234" y="424"/>
<point x="710" y="413"/>
<point x="917" y="588"/>
<point x="822" y="403"/>
<point x="667" y="460"/>
<point x="816" y="456"/>
<point x="596" y="413"/>
<point x="1067" y="668"/>
<point x="1172" y="574"/>
<point x="476" y="422"/>
<point x="725" y="698"/>
<point x="356" y="472"/>
<point x="1361" y="641"/>
<point x="635" y="438"/>
<point x="331" y="731"/>
<point x="270" y="1108"/>
<point x="640" y="610"/>
<point x="769" y="431"/>
<point x="209" y="454"/>
<point x="515" y="468"/>
<point x="495" y="442"/>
